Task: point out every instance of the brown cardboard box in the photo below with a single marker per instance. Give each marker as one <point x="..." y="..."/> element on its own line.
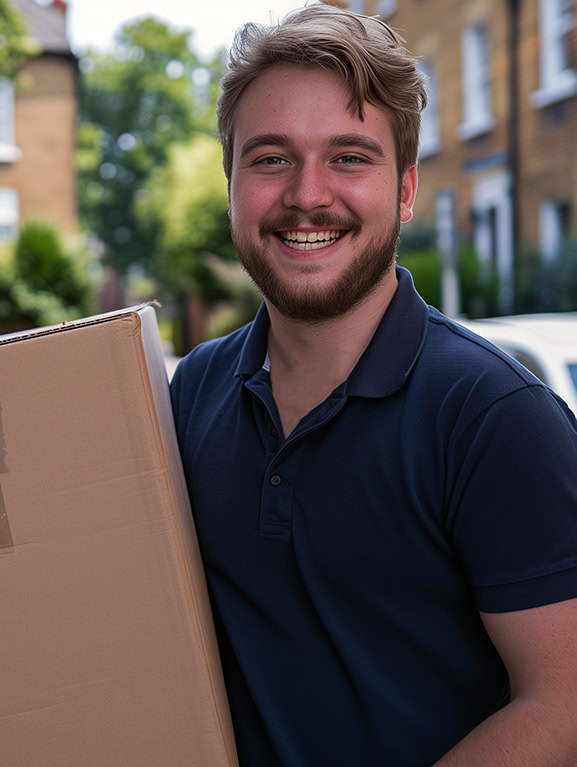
<point x="107" y="651"/>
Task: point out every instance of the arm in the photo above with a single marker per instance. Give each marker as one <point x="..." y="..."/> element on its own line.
<point x="538" y="728"/>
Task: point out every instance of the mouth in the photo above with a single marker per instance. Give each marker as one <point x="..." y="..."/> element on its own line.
<point x="310" y="240"/>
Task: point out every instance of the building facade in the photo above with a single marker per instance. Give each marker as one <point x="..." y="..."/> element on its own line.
<point x="499" y="136"/>
<point x="38" y="127"/>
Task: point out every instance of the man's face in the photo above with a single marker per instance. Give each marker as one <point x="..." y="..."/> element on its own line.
<point x="315" y="199"/>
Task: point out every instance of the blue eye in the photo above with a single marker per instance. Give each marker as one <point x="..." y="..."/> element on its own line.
<point x="350" y="159"/>
<point x="272" y="161"/>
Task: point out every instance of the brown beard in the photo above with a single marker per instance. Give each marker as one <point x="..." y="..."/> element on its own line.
<point x="308" y="303"/>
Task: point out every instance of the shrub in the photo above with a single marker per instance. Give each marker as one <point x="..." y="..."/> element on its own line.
<point x="47" y="268"/>
<point x="479" y="284"/>
<point x="548" y="286"/>
<point x="425" y="267"/>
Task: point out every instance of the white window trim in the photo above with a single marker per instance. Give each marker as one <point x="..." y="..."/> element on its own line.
<point x="563" y="88"/>
<point x="551" y="234"/>
<point x="555" y="84"/>
<point x="495" y="192"/>
<point x="472" y="129"/>
<point x="477" y="118"/>
<point x="8" y="152"/>
<point x="430" y="141"/>
<point x="9" y="212"/>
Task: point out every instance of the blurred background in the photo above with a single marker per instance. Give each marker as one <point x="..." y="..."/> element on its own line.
<point x="112" y="191"/>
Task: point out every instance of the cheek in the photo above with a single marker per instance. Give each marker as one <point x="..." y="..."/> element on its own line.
<point x="252" y="199"/>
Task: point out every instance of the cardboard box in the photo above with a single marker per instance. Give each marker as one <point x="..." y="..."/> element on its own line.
<point x="108" y="655"/>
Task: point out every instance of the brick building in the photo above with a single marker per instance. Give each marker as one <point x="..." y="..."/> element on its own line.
<point x="38" y="127"/>
<point x="499" y="137"/>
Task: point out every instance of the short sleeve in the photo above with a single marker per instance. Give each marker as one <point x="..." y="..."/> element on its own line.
<point x="513" y="501"/>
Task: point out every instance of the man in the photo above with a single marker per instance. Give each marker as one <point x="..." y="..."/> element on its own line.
<point x="386" y="504"/>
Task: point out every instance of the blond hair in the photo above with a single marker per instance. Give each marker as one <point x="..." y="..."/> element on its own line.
<point x="364" y="51"/>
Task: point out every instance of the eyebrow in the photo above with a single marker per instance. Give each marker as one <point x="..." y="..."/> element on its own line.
<point x="341" y="141"/>
<point x="264" y="139"/>
<point x="358" y="140"/>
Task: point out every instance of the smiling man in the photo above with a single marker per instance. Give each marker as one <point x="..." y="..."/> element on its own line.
<point x="386" y="504"/>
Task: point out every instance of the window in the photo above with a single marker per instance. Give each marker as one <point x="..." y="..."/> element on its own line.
<point x="430" y="142"/>
<point x="6" y="112"/>
<point x="8" y="213"/>
<point x="558" y="77"/>
<point x="554" y="227"/>
<point x="476" y="78"/>
<point x="8" y="152"/>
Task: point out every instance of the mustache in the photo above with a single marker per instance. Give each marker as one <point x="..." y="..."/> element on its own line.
<point x="322" y="220"/>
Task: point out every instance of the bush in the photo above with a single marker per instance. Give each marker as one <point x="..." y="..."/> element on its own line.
<point x="548" y="286"/>
<point x="47" y="268"/>
<point x="425" y="267"/>
<point x="42" y="282"/>
<point x="479" y="284"/>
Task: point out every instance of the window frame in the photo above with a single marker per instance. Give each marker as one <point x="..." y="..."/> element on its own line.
<point x="556" y="82"/>
<point x="9" y="213"/>
<point x="476" y="82"/>
<point x="8" y="151"/>
<point x="430" y="137"/>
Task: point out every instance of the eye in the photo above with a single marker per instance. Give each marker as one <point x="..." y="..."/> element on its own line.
<point x="273" y="160"/>
<point x="350" y="159"/>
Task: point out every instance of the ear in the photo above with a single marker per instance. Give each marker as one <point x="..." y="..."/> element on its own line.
<point x="408" y="193"/>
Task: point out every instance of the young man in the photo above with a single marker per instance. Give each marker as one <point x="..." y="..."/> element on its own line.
<point x="386" y="504"/>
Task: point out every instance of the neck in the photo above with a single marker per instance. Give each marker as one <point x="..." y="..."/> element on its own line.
<point x="327" y="351"/>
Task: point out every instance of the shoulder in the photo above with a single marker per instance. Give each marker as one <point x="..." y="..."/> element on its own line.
<point x="219" y="354"/>
<point x="208" y="367"/>
<point x="472" y="374"/>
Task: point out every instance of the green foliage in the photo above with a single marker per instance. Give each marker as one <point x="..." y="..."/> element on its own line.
<point x="134" y="105"/>
<point x="16" y="47"/>
<point x="426" y="270"/>
<point x="185" y="207"/>
<point x="48" y="279"/>
<point x="417" y="237"/>
<point x="548" y="286"/>
<point x="478" y="284"/>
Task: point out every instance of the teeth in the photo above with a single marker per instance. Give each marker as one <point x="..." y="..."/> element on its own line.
<point x="310" y="236"/>
<point x="295" y="245"/>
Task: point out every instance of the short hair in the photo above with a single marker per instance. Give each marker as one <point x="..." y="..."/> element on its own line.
<point x="363" y="50"/>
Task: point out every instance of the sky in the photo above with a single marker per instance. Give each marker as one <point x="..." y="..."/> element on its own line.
<point x="93" y="23"/>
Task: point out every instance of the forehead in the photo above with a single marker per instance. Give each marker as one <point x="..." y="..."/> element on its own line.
<point x="307" y="105"/>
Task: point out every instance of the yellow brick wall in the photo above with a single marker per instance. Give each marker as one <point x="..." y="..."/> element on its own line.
<point x="548" y="137"/>
<point x="45" y="119"/>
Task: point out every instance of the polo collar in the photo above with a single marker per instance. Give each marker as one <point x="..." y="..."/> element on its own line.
<point x="388" y="359"/>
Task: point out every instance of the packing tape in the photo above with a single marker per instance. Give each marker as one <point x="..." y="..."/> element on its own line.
<point x="6" y="541"/>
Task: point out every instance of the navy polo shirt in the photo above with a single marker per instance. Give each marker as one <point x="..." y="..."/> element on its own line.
<point x="348" y="563"/>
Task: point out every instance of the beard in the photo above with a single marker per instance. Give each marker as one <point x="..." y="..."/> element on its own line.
<point x="308" y="302"/>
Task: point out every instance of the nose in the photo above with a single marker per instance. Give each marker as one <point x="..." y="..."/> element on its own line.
<point x="309" y="187"/>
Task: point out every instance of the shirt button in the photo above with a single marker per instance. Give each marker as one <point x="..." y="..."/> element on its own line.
<point x="274" y="432"/>
<point x="275" y="480"/>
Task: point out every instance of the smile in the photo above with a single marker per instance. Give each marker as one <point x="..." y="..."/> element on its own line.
<point x="310" y="240"/>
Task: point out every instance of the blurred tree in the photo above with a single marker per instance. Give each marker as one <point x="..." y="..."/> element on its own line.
<point x="133" y="106"/>
<point x="184" y="207"/>
<point x="16" y="46"/>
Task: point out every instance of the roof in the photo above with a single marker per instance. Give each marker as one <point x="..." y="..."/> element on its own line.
<point x="46" y="23"/>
